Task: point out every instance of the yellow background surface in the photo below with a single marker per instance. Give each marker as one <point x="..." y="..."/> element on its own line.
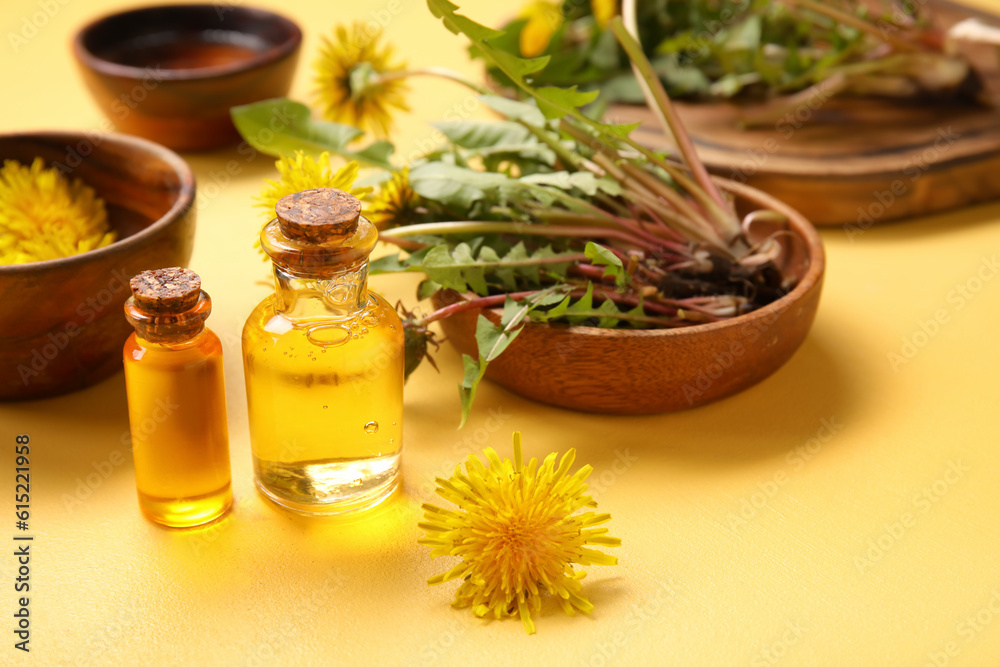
<point x="842" y="512"/>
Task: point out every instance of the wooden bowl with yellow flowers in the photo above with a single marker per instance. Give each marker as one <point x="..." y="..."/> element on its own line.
<point x="80" y="214"/>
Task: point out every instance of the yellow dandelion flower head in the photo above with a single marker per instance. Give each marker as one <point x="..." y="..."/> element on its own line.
<point x="351" y="82"/>
<point x="44" y="215"/>
<point x="395" y="203"/>
<point x="604" y="11"/>
<point x="304" y="172"/>
<point x="518" y="533"/>
<point x="544" y="18"/>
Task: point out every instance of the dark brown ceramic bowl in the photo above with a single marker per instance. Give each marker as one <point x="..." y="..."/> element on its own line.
<point x="171" y="73"/>
<point x="650" y="371"/>
<point x="62" y="326"/>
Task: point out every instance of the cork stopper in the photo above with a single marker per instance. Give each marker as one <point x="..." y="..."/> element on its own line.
<point x="164" y="291"/>
<point x="318" y="215"/>
<point x="167" y="305"/>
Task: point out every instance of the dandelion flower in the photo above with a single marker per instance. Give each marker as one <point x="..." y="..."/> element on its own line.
<point x="304" y="172"/>
<point x="395" y="203"/>
<point x="544" y="18"/>
<point x="604" y="11"/>
<point x="44" y="215"/>
<point x="351" y="82"/>
<point x="518" y="534"/>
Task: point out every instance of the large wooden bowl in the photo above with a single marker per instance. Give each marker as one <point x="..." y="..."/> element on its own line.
<point x="61" y="321"/>
<point x="622" y="371"/>
<point x="855" y="162"/>
<point x="171" y="73"/>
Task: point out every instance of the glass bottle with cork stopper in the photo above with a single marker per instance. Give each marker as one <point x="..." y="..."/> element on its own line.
<point x="176" y="400"/>
<point x="323" y="362"/>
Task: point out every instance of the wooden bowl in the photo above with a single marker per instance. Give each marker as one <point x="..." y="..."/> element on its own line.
<point x="171" y="73"/>
<point x="62" y="326"/>
<point x="649" y="371"/>
<point x="850" y="161"/>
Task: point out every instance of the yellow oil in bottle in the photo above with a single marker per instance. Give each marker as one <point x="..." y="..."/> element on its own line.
<point x="180" y="440"/>
<point x="325" y="404"/>
<point x="323" y="363"/>
<point x="176" y="401"/>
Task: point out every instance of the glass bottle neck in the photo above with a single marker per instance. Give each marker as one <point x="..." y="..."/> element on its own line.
<point x="340" y="294"/>
<point x="180" y="342"/>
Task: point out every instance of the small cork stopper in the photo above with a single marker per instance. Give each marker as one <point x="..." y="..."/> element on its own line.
<point x="318" y="215"/>
<point x="162" y="291"/>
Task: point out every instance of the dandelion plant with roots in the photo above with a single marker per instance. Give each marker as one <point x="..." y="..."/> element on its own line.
<point x="553" y="215"/>
<point x="569" y="219"/>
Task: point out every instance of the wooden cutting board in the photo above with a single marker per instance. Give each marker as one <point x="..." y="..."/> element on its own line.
<point x="855" y="162"/>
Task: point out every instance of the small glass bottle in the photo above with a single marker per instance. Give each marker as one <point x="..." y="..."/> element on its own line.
<point x="176" y="400"/>
<point x="323" y="361"/>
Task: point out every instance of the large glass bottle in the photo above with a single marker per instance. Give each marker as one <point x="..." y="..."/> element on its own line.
<point x="176" y="400"/>
<point x="323" y="360"/>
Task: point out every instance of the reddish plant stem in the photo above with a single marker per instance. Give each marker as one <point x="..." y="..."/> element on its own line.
<point x="667" y="307"/>
<point x="468" y="304"/>
<point x="660" y="102"/>
<point x="587" y="271"/>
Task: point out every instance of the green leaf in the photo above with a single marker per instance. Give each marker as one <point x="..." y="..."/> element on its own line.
<point x="681" y="79"/>
<point x="557" y="102"/>
<point x="579" y="312"/>
<point x="557" y="312"/>
<point x="574" y="312"/>
<point x="520" y="67"/>
<point x="558" y="269"/>
<point x="496" y="140"/>
<point x="607" y="311"/>
<point x="745" y="35"/>
<point x="376" y="153"/>
<point x="621" y="88"/>
<point x="585" y="181"/>
<point x="553" y="102"/>
<point x="605" y="55"/>
<point x="619" y="131"/>
<point x="483" y="134"/>
<point x="472" y="375"/>
<point x="492" y="340"/>
<point x="515" y="110"/>
<point x="686" y="43"/>
<point x="386" y="264"/>
<point x="452" y="185"/>
<point x="459" y="24"/>
<point x="427" y="288"/>
<point x="522" y="154"/>
<point x="601" y="256"/>
<point x="731" y="84"/>
<point x="512" y="311"/>
<point x="506" y="274"/>
<point x="454" y="269"/>
<point x="637" y="312"/>
<point x="461" y="269"/>
<point x="279" y="127"/>
<point x="607" y="314"/>
<point x="393" y="264"/>
<point x="473" y="275"/>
